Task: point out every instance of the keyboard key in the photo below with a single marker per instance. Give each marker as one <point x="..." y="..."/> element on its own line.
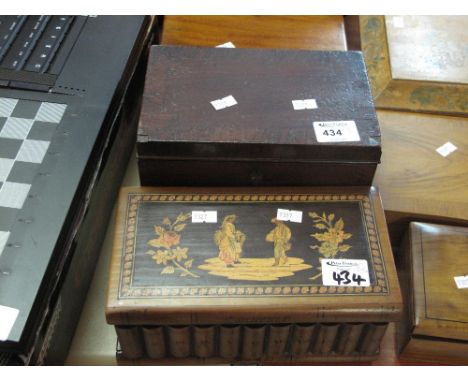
<point x="24" y="42"/>
<point x="9" y="28"/>
<point x="48" y="43"/>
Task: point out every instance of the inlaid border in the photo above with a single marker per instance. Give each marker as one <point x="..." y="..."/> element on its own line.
<point x="127" y="290"/>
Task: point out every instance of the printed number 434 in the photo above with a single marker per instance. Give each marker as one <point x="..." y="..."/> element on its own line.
<point x="332" y="132"/>
<point x="343" y="278"/>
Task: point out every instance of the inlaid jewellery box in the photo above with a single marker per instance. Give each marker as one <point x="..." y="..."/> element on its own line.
<point x="433" y="271"/>
<point x="243" y="117"/>
<point x="257" y="275"/>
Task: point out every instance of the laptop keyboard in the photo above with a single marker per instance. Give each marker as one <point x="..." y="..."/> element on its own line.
<point x="30" y="43"/>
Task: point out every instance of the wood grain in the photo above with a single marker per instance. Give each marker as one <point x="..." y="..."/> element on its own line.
<point x="94" y="342"/>
<point x="413" y="179"/>
<point x="261" y="140"/>
<point x="284" y="32"/>
<point x="435" y="309"/>
<point x="149" y="309"/>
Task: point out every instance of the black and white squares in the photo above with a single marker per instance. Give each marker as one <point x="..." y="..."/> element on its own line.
<point x="26" y="130"/>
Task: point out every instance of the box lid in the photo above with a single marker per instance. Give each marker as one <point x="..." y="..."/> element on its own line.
<point x="438" y="255"/>
<point x="178" y="119"/>
<point x="246" y="265"/>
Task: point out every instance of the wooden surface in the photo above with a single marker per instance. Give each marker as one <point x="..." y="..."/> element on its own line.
<point x="285" y="32"/>
<point x="95" y="341"/>
<point x="435" y="308"/>
<point x="442" y="308"/>
<point x="416" y="182"/>
<point x="181" y="82"/>
<point x="428" y="72"/>
<point x="262" y="140"/>
<point x="139" y="297"/>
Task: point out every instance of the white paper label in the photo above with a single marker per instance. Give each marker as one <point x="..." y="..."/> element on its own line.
<point x="229" y="101"/>
<point x="303" y="104"/>
<point x="204" y="216"/>
<point x="223" y="103"/>
<point x="446" y="149"/>
<point x="336" y="131"/>
<point x="228" y="44"/>
<point x="345" y="272"/>
<point x="461" y="281"/>
<point x="7" y="320"/>
<point x="289" y="215"/>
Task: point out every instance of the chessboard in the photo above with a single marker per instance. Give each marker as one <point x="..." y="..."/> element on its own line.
<point x="26" y="131"/>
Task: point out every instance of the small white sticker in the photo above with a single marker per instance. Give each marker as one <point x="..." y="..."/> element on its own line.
<point x="229" y="101"/>
<point x="223" y="103"/>
<point x="398" y="22"/>
<point x="218" y="104"/>
<point x="303" y="104"/>
<point x="228" y="44"/>
<point x="289" y="215"/>
<point x="336" y="131"/>
<point x="446" y="149"/>
<point x="204" y="216"/>
<point x="7" y="320"/>
<point x="345" y="272"/>
<point x="461" y="281"/>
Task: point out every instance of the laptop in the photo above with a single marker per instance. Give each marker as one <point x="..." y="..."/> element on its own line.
<point x="69" y="93"/>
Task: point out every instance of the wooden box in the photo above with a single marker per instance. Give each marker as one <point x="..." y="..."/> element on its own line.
<point x="249" y="287"/>
<point x="415" y="63"/>
<point x="241" y="117"/>
<point x="435" y="324"/>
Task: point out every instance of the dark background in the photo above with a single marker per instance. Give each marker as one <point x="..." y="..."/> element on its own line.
<point x="254" y="220"/>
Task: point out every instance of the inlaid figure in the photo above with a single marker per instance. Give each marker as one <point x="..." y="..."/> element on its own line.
<point x="229" y="241"/>
<point x="280" y="236"/>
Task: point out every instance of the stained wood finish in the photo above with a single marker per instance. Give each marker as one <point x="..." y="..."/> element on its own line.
<point x="243" y="144"/>
<point x="414" y="181"/>
<point x="380" y="303"/>
<point x="435" y="309"/>
<point x="283" y="32"/>
<point x="265" y="292"/>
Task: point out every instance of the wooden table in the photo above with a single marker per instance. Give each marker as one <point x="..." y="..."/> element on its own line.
<point x="282" y="32"/>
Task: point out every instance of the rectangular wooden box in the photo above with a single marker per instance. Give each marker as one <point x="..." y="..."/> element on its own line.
<point x="261" y="140"/>
<point x="248" y="288"/>
<point x="435" y="324"/>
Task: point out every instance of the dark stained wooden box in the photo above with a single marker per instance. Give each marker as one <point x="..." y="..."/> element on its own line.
<point x="435" y="324"/>
<point x="262" y="140"/>
<point x="248" y="288"/>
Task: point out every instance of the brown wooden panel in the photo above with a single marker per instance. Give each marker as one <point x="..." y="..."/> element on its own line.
<point x="434" y="307"/>
<point x="413" y="179"/>
<point x="286" y="32"/>
<point x="147" y="287"/>
<point x="179" y="123"/>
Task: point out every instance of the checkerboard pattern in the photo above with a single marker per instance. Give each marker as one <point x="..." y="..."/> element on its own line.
<point x="26" y="129"/>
